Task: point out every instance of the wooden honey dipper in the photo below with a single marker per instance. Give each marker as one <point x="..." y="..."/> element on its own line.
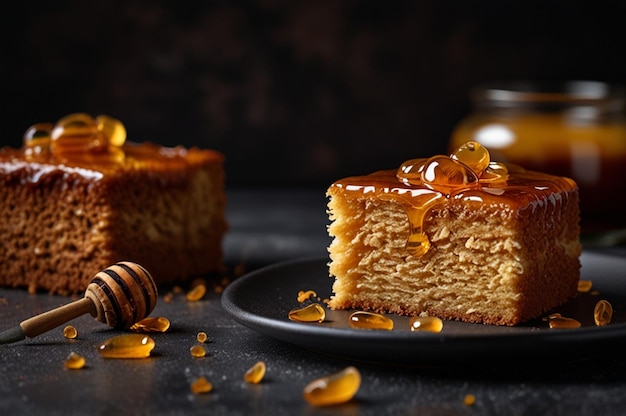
<point x="120" y="295"/>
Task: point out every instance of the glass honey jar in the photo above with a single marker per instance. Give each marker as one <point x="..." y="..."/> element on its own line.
<point x="575" y="129"/>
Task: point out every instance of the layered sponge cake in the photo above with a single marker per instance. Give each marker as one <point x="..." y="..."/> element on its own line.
<point x="77" y="198"/>
<point x="459" y="237"/>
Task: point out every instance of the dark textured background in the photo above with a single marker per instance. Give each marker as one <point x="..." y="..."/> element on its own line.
<point x="294" y="93"/>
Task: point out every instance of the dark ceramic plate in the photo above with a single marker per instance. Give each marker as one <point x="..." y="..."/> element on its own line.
<point x="261" y="300"/>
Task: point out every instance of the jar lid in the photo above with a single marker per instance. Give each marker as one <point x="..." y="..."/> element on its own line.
<point x="516" y="93"/>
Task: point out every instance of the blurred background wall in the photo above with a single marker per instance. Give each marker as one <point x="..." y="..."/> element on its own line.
<point x="294" y="93"/>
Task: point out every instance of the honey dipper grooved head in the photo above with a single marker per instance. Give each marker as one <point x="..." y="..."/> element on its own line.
<point x="123" y="294"/>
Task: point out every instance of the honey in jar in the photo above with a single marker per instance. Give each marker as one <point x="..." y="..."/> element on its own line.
<point x="575" y="129"/>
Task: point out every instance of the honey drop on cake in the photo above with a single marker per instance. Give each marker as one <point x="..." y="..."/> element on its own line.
<point x="74" y="361"/>
<point x="112" y="129"/>
<point x="311" y="313"/>
<point x="333" y="389"/>
<point x="37" y="139"/>
<point x="426" y="324"/>
<point x="255" y="374"/>
<point x="75" y="133"/>
<point x="370" y="320"/>
<point x="127" y="346"/>
<point x="474" y="155"/>
<point x="602" y="313"/>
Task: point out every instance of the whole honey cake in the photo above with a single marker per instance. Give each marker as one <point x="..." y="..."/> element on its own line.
<point x="77" y="198"/>
<point x="458" y="237"/>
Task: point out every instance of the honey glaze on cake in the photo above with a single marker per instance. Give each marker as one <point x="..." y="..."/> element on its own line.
<point x="95" y="148"/>
<point x="468" y="175"/>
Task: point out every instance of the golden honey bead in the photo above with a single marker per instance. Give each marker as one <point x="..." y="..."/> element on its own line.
<point x="201" y="337"/>
<point x="201" y="385"/>
<point x="127" y="346"/>
<point x="469" y="400"/>
<point x="333" y="389"/>
<point x="70" y="332"/>
<point x="603" y="313"/>
<point x="311" y="313"/>
<point x="557" y="321"/>
<point x="196" y="293"/>
<point x="370" y="320"/>
<point x="426" y="324"/>
<point x="151" y="324"/>
<point x="255" y="374"/>
<point x="76" y="132"/>
<point x="474" y="155"/>
<point x="112" y="129"/>
<point x="37" y="138"/>
<point x="74" y="361"/>
<point x="197" y="351"/>
<point x="584" y="286"/>
<point x="306" y="295"/>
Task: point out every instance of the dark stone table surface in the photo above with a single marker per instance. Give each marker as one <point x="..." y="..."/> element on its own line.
<point x="268" y="227"/>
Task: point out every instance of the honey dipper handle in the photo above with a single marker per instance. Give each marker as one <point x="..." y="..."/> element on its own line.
<point x="52" y="319"/>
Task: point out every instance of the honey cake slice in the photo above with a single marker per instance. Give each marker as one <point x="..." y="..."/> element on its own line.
<point x="77" y="198"/>
<point x="457" y="237"/>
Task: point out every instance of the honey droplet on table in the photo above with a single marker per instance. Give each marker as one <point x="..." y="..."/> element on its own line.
<point x="201" y="337"/>
<point x="201" y="385"/>
<point x="70" y="332"/>
<point x="197" y="351"/>
<point x="584" y="286"/>
<point x="469" y="400"/>
<point x="156" y="324"/>
<point x="602" y="313"/>
<point x="255" y="373"/>
<point x="311" y="313"/>
<point x="304" y="295"/>
<point x="74" y="361"/>
<point x="127" y="346"/>
<point x="333" y="389"/>
<point x="370" y="320"/>
<point x="196" y="293"/>
<point x="426" y="324"/>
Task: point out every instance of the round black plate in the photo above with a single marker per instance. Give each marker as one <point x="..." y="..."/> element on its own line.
<point x="261" y="300"/>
